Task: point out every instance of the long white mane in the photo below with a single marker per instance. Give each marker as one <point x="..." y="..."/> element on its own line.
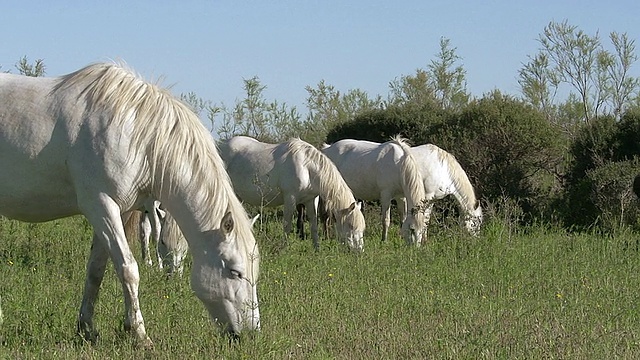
<point x="182" y="154"/>
<point x="459" y="178"/>
<point x="332" y="187"/>
<point x="411" y="178"/>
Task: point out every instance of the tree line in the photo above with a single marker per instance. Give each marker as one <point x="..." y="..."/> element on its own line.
<point x="565" y="150"/>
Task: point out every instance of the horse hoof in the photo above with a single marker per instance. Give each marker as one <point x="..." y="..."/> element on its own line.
<point x="89" y="335"/>
<point x="146" y="344"/>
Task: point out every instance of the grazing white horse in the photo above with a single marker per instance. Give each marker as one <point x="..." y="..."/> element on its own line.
<point x="150" y="228"/>
<point x="442" y="175"/>
<point x="172" y="246"/>
<point x="100" y="142"/>
<point x="383" y="172"/>
<point x="293" y="173"/>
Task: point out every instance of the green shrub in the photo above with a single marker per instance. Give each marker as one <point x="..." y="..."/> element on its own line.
<point x="411" y="121"/>
<point x="612" y="194"/>
<point x="507" y="148"/>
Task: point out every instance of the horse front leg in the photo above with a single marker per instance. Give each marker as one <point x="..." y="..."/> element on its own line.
<point x="107" y="224"/>
<point x="312" y="214"/>
<point x="157" y="217"/>
<point x="402" y="208"/>
<point x="145" y="235"/>
<point x="427" y="215"/>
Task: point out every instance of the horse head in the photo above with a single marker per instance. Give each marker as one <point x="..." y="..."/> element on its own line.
<point x="414" y="226"/>
<point x="225" y="279"/>
<point x="350" y="226"/>
<point x="473" y="220"/>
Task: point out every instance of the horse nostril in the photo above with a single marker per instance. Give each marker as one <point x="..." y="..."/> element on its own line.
<point x="233" y="337"/>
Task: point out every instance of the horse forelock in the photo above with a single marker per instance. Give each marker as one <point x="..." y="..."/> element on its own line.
<point x="333" y="189"/>
<point x="411" y="177"/>
<point x="178" y="148"/>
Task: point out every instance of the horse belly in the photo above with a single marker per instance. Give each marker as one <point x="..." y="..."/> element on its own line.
<point x="35" y="192"/>
<point x="257" y="191"/>
<point x="363" y="185"/>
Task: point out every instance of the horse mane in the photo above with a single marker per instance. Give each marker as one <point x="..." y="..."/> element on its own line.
<point x="458" y="176"/>
<point x="411" y="179"/>
<point x="171" y="233"/>
<point x="333" y="189"/>
<point x="159" y="126"/>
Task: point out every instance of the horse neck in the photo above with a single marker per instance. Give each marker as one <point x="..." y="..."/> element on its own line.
<point x="412" y="184"/>
<point x="330" y="184"/>
<point x="463" y="190"/>
<point x="190" y="211"/>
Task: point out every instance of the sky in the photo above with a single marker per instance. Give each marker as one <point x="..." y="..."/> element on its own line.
<point x="210" y="47"/>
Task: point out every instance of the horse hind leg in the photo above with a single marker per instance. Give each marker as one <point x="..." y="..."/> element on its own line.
<point x="96" y="267"/>
<point x="385" y="208"/>
<point x="287" y="214"/>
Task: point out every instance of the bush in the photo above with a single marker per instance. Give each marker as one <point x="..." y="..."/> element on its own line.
<point x="412" y="122"/>
<point x="595" y="153"/>
<point x="507" y="148"/>
<point x="611" y="193"/>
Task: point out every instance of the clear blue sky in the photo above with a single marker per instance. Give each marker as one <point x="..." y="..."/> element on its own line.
<point x="209" y="47"/>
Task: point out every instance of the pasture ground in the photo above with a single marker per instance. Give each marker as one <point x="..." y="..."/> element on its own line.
<point x="510" y="293"/>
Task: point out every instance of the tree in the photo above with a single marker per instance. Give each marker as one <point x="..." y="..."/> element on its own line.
<point x="256" y="117"/>
<point x="448" y="81"/>
<point x="507" y="148"/>
<point x="328" y="108"/>
<point x="620" y="84"/>
<point x="442" y="83"/>
<point x="196" y="103"/>
<point x="416" y="89"/>
<point x="36" y="69"/>
<point x="569" y="56"/>
<point x="539" y="84"/>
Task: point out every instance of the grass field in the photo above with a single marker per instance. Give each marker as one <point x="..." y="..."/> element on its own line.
<point x="510" y="293"/>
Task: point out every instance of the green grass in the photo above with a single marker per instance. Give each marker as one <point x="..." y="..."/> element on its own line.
<point x="524" y="293"/>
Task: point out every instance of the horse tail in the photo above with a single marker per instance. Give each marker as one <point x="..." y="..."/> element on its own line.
<point x="132" y="226"/>
<point x="411" y="178"/>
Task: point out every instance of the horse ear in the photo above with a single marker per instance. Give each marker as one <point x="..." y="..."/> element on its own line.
<point x="227" y="223"/>
<point x="161" y="213"/>
<point x="351" y="208"/>
<point x="254" y="219"/>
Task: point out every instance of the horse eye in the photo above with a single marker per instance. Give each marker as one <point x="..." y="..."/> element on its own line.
<point x="235" y="274"/>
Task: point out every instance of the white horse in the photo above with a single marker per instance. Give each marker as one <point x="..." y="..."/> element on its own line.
<point x="293" y="173"/>
<point x="100" y="142"/>
<point x="442" y="175"/>
<point x="383" y="172"/>
<point x="173" y="247"/>
<point x="150" y="228"/>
